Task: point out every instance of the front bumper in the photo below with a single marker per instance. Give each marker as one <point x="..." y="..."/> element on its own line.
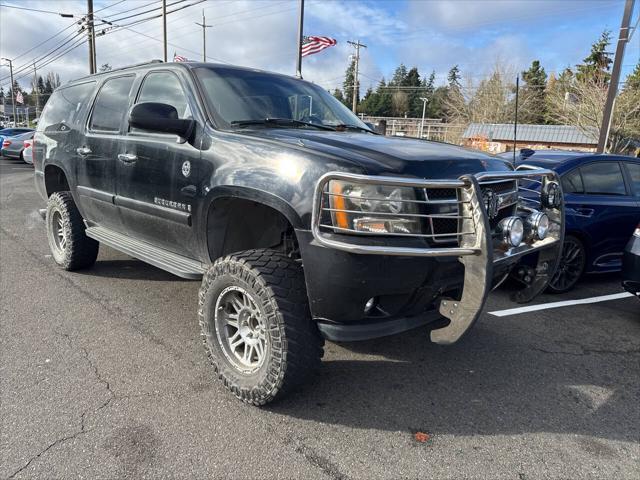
<point x="455" y="278"/>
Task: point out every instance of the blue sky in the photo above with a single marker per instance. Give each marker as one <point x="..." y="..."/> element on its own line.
<point x="432" y="35"/>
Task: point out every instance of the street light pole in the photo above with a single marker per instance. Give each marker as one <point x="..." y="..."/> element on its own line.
<point x="424" y="109"/>
<point x="13" y="94"/>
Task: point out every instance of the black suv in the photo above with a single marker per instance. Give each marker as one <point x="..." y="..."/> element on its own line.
<point x="305" y="224"/>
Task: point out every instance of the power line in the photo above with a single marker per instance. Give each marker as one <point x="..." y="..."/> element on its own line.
<point x="45" y="41"/>
<point x="39" y="11"/>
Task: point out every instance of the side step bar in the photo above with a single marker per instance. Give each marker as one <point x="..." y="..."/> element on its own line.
<point x="171" y="262"/>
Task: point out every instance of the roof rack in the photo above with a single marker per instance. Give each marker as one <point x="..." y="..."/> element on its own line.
<point x="149" y="62"/>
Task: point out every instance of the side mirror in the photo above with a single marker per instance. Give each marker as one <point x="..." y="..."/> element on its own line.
<point x="160" y="118"/>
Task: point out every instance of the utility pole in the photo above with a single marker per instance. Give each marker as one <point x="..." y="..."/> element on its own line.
<point x="92" y="38"/>
<point x="204" y="36"/>
<point x="13" y="94"/>
<point x="35" y="88"/>
<point x="615" y="76"/>
<point x="164" y="28"/>
<point x="515" y="121"/>
<point x="356" y="83"/>
<point x="300" y="39"/>
<point x="424" y="110"/>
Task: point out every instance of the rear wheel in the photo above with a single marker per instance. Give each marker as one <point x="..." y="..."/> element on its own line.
<point x="571" y="266"/>
<point x="256" y="325"/>
<point x="70" y="246"/>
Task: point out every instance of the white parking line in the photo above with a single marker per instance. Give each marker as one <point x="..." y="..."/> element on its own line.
<point x="566" y="303"/>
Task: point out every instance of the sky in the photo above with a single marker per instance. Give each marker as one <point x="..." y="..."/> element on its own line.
<point x="428" y="34"/>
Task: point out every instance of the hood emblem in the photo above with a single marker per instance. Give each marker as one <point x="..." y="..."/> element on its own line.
<point x="491" y="203"/>
<point x="186" y="168"/>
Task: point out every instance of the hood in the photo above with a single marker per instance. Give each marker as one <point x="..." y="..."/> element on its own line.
<point x="379" y="155"/>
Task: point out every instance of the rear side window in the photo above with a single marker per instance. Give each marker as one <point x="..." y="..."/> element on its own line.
<point x="111" y="104"/>
<point x="64" y="108"/>
<point x="603" y="178"/>
<point x="572" y="182"/>
<point x="634" y="171"/>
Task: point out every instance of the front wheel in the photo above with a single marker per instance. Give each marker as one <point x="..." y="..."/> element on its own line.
<point x="256" y="326"/>
<point x="571" y="266"/>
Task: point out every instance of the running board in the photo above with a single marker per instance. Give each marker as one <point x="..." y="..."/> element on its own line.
<point x="171" y="262"/>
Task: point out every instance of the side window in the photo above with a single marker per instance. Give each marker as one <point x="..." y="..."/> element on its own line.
<point x="64" y="108"/>
<point x="111" y="104"/>
<point x="634" y="171"/>
<point x="164" y="87"/>
<point x="603" y="178"/>
<point x="572" y="182"/>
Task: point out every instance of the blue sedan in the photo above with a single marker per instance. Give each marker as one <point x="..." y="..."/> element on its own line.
<point x="602" y="200"/>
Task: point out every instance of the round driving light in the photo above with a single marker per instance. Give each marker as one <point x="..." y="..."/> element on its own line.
<point x="551" y="195"/>
<point x="538" y="224"/>
<point x="512" y="230"/>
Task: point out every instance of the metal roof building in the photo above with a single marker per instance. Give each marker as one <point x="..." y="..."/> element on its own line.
<point x="551" y="135"/>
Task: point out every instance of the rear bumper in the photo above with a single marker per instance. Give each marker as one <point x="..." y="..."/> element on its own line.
<point x="413" y="284"/>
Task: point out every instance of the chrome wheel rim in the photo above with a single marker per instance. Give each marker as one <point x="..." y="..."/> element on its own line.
<point x="241" y="329"/>
<point x="59" y="231"/>
<point x="570" y="267"/>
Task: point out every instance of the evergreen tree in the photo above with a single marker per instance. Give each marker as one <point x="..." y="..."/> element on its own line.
<point x="633" y="80"/>
<point x="338" y="94"/>
<point x="48" y="86"/>
<point x="454" y="78"/>
<point x="348" y="86"/>
<point x="2" y="95"/>
<point x="596" y="66"/>
<point x="534" y="95"/>
<point x="40" y="85"/>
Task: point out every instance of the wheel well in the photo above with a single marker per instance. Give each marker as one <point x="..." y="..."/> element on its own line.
<point x="55" y="180"/>
<point x="237" y="224"/>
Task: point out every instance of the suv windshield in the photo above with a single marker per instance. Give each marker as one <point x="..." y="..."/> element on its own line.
<point x="240" y="98"/>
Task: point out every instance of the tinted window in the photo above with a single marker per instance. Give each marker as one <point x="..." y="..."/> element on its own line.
<point x="634" y="171"/>
<point x="164" y="87"/>
<point x="572" y="182"/>
<point x="111" y="104"/>
<point x="603" y="178"/>
<point x="64" y="107"/>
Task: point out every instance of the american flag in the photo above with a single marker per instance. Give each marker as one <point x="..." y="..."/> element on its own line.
<point x="179" y="58"/>
<point x="19" y="97"/>
<point x="311" y="45"/>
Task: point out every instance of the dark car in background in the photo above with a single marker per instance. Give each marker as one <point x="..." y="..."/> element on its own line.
<point x="631" y="264"/>
<point x="13" y="147"/>
<point x="602" y="200"/>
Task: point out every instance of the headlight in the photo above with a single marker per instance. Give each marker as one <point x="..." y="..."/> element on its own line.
<point x="369" y="208"/>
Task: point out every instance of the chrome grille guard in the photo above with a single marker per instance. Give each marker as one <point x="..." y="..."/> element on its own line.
<point x="475" y="246"/>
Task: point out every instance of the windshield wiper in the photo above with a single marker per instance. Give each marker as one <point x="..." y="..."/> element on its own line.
<point x="280" y="121"/>
<point x="346" y="126"/>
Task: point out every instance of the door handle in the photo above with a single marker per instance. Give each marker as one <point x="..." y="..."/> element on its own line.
<point x="585" y="212"/>
<point x="127" y="157"/>
<point x="83" y="151"/>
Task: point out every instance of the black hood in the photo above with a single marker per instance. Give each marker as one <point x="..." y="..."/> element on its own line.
<point x="379" y="155"/>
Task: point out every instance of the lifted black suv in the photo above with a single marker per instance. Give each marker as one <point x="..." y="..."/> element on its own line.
<point x="305" y="224"/>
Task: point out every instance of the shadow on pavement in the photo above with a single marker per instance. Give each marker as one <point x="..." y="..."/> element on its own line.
<point x="130" y="269"/>
<point x="488" y="384"/>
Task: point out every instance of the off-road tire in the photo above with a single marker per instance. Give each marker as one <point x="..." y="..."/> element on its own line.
<point x="295" y="346"/>
<point x="79" y="250"/>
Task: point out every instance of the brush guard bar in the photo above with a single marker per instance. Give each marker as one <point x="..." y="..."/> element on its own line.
<point x="475" y="243"/>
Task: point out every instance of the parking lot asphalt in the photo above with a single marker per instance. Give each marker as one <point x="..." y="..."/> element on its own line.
<point x="103" y="375"/>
